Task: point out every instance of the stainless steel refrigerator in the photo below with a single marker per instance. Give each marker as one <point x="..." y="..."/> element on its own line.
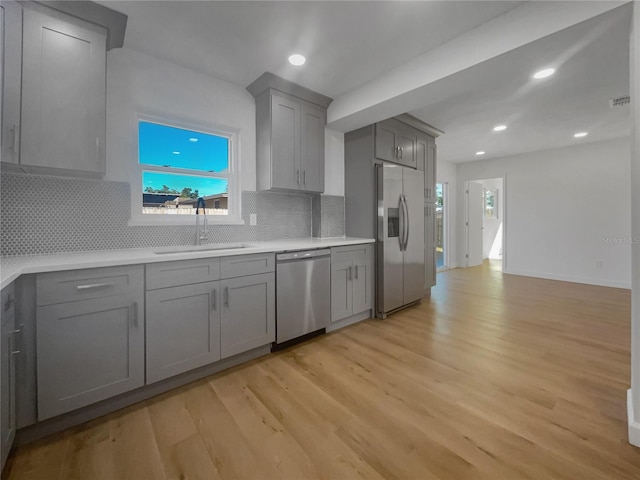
<point x="400" y="237"/>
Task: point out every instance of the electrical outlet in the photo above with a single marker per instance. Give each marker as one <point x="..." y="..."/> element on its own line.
<point x="253" y="219"/>
<point x="599" y="264"/>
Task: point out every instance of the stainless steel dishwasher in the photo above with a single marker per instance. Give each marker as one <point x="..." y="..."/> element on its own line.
<point x="303" y="293"/>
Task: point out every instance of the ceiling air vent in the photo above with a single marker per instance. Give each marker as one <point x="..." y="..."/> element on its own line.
<point x="619" y="101"/>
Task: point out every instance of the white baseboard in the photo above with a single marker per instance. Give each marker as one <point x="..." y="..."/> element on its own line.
<point x="634" y="427"/>
<point x="571" y="278"/>
<point x="349" y="321"/>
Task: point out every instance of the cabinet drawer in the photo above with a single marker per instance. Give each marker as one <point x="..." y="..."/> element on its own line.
<point x="351" y="253"/>
<point x="182" y="272"/>
<point x="241" y="265"/>
<point x="75" y="285"/>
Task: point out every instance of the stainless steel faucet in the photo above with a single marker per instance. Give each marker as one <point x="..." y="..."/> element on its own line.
<point x="201" y="234"/>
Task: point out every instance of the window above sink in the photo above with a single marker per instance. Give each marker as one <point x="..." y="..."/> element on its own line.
<point x="178" y="163"/>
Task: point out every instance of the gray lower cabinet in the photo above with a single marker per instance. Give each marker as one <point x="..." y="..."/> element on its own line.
<point x="196" y="322"/>
<point x="351" y="280"/>
<point x="183" y="329"/>
<point x="7" y="374"/>
<point x="248" y="313"/>
<point x="89" y="349"/>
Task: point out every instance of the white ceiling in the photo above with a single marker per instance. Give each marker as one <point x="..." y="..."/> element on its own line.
<point x="592" y="66"/>
<point x="350" y="43"/>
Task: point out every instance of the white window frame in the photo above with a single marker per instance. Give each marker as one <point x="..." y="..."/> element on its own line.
<point x="234" y="216"/>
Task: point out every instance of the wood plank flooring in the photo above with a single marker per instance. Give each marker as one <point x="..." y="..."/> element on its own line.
<point x="494" y="377"/>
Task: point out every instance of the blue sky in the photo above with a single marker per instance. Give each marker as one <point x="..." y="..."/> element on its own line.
<point x="161" y="145"/>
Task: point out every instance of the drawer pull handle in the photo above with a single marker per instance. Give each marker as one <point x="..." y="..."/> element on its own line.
<point x="15" y="352"/>
<point x="95" y="285"/>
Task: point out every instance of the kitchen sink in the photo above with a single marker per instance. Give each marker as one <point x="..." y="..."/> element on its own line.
<point x="199" y="248"/>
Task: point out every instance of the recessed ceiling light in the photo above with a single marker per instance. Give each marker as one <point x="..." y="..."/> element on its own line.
<point x="580" y="134"/>
<point x="176" y="153"/>
<point x="499" y="128"/>
<point x="480" y="153"/>
<point x="193" y="139"/>
<point x="297" y="59"/>
<point x="547" y="72"/>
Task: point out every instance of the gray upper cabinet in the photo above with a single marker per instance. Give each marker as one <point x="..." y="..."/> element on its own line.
<point x="11" y="34"/>
<point x="313" y="119"/>
<point x="63" y="92"/>
<point x="88" y="349"/>
<point x="182" y="329"/>
<point x="290" y="122"/>
<point x="396" y="142"/>
<point x="7" y="373"/>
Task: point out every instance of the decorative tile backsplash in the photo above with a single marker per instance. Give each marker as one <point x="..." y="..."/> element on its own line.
<point x="328" y="216"/>
<point x="43" y="214"/>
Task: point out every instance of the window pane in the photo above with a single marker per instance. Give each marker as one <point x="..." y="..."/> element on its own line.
<point x="166" y="146"/>
<point x="167" y="192"/>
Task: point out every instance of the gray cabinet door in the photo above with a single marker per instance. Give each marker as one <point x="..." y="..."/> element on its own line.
<point x="285" y="143"/>
<point x="363" y="282"/>
<point x="385" y="143"/>
<point x="88" y="351"/>
<point x="341" y="290"/>
<point x="182" y="329"/>
<point x="63" y="92"/>
<point x="248" y="313"/>
<point x="406" y="142"/>
<point x="312" y="147"/>
<point x="430" y="173"/>
<point x="429" y="247"/>
<point x="11" y="34"/>
<point x="7" y="374"/>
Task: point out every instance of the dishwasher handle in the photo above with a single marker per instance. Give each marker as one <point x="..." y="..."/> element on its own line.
<point x="303" y="255"/>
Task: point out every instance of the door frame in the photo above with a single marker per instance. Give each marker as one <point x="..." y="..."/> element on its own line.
<point x="445" y="227"/>
<point x="503" y="198"/>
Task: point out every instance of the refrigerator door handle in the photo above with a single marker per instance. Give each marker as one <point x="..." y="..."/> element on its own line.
<point x="401" y="234"/>
<point x="407" y="223"/>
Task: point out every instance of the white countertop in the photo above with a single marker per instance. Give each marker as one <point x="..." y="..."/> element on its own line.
<point x="14" y="266"/>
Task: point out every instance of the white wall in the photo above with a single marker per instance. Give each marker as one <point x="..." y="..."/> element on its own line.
<point x="333" y="162"/>
<point x="565" y="209"/>
<point x="447" y="172"/>
<point x="139" y="83"/>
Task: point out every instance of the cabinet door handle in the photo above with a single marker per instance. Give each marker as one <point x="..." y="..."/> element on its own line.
<point x="10" y="301"/>
<point x="214" y="294"/>
<point x="397" y="155"/>
<point x="134" y="314"/>
<point x="226" y="297"/>
<point x="95" y="285"/>
<point x="98" y="147"/>
<point x="350" y="276"/>
<point x="16" y="139"/>
<point x="401" y="153"/>
<point x="304" y="177"/>
<point x="356" y="272"/>
<point x="298" y="173"/>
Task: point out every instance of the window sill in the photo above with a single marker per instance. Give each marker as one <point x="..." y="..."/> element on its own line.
<point x="180" y="220"/>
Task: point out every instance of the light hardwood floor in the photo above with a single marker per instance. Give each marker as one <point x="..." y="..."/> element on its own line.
<point x="495" y="377"/>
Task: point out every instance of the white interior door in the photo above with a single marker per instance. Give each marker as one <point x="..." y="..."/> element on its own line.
<point x="475" y="210"/>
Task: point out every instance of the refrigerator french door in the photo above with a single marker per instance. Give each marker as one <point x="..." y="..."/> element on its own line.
<point x="400" y="242"/>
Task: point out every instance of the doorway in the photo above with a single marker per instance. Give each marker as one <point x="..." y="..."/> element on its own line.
<point x="442" y="226"/>
<point x="485" y="217"/>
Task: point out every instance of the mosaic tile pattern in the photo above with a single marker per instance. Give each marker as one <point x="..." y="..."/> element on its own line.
<point x="44" y="214"/>
<point x="327" y="216"/>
